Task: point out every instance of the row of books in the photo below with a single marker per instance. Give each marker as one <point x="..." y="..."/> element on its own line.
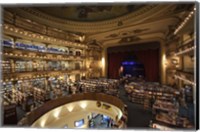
<point x="25" y="66"/>
<point x="108" y="86"/>
<point x="139" y="91"/>
<point x="41" y="48"/>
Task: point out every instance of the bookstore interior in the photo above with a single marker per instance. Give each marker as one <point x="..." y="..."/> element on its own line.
<point x="112" y="66"/>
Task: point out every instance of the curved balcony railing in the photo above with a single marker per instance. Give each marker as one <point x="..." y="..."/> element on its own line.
<point x="37" y="113"/>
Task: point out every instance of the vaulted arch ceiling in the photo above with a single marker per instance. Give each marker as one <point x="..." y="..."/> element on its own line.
<point x="110" y="24"/>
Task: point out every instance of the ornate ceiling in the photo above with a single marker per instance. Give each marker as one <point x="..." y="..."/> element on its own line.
<point x="89" y="13"/>
<point x="111" y="25"/>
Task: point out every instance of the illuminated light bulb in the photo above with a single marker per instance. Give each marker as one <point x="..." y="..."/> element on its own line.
<point x="70" y="108"/>
<point x="11" y="29"/>
<point x="192" y="12"/>
<point x="83" y="105"/>
<point x="194" y="8"/>
<point x="182" y="25"/>
<point x="56" y="113"/>
<point x="42" y="123"/>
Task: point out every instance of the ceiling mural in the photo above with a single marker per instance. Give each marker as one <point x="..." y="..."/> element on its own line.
<point x="89" y="13"/>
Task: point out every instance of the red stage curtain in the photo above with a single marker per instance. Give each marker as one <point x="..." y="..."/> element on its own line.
<point x="150" y="59"/>
<point x="114" y="63"/>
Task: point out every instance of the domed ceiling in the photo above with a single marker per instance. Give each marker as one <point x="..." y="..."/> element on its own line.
<point x="107" y="25"/>
<point x="89" y="13"/>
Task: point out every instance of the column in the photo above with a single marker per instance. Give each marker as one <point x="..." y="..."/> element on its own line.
<point x="163" y="62"/>
<point x="104" y="61"/>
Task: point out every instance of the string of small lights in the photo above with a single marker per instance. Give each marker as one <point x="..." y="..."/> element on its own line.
<point x="185" y="21"/>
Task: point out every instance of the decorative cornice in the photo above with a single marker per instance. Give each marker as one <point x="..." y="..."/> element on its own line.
<point x="156" y="37"/>
<point x="91" y="27"/>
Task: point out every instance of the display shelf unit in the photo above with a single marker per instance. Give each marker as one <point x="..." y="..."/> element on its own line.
<point x="12" y="55"/>
<point x="167" y="112"/>
<point x="144" y="93"/>
<point x="39" y="74"/>
<point x="28" y="56"/>
<point x="165" y="106"/>
<point x="107" y="86"/>
<point x="13" y="52"/>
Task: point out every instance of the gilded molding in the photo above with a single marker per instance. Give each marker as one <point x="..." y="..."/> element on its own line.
<point x="90" y="27"/>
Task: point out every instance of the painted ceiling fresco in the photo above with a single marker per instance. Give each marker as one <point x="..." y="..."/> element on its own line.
<point x="89" y="12"/>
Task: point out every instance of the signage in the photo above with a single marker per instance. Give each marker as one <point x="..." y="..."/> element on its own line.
<point x="103" y="106"/>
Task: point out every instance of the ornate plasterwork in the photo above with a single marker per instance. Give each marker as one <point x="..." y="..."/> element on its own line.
<point x="146" y="20"/>
<point x="142" y="38"/>
<point x="125" y="33"/>
<point x="92" y="27"/>
<point x="151" y="28"/>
